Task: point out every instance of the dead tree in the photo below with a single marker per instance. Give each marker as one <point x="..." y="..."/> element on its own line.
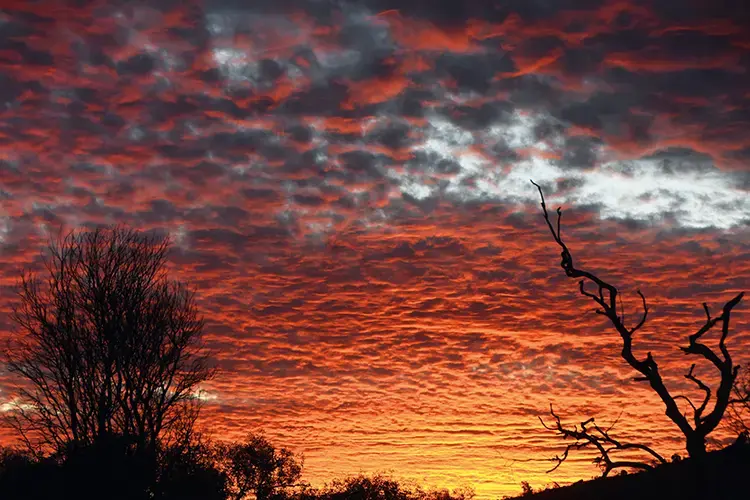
<point x="591" y="435"/>
<point x="606" y="296"/>
<point x="107" y="346"/>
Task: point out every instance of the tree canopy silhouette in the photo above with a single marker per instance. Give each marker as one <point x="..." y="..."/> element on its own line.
<point x="605" y="296"/>
<point x="109" y="346"/>
<point x="256" y="466"/>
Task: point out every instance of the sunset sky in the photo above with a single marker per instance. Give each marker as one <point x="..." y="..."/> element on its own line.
<point x="347" y="187"/>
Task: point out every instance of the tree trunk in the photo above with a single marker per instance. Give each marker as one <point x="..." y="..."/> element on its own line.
<point x="696" y="445"/>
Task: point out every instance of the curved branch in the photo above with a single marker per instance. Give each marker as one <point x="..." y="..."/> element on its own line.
<point x="699" y="411"/>
<point x="689" y="401"/>
<point x="629" y="446"/>
<point x="728" y="371"/>
<point x="647" y="367"/>
<point x="645" y="314"/>
<point x="590" y="434"/>
<point x="606" y="299"/>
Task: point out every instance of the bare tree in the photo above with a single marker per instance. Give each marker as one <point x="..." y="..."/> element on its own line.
<point x="256" y="466"/>
<point x="590" y="435"/>
<point x="108" y="345"/>
<point x="606" y="295"/>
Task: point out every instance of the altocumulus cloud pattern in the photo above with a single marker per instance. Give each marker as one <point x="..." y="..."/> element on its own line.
<point x="347" y="187"/>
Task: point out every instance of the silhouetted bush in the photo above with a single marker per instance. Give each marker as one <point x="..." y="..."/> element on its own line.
<point x="380" y="487"/>
<point x="113" y="469"/>
<point x="256" y="466"/>
<point x="113" y="466"/>
<point x="191" y="473"/>
<point x="738" y="413"/>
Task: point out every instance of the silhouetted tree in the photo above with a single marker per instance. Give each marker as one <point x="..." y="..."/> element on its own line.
<point x="590" y="435"/>
<point x="14" y="458"/>
<point x="110" y="467"/>
<point x="606" y="296"/>
<point x="463" y="493"/>
<point x="256" y="466"/>
<point x="189" y="471"/>
<point x="362" y="487"/>
<point x="110" y="350"/>
<point x="380" y="487"/>
<point x="24" y="476"/>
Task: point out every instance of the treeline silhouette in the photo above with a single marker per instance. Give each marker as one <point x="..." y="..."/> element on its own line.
<point x="110" y="362"/>
<point x="253" y="468"/>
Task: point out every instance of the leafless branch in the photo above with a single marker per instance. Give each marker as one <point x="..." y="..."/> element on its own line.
<point x="606" y="298"/>
<point x="699" y="411"/>
<point x="109" y="345"/>
<point x="591" y="435"/>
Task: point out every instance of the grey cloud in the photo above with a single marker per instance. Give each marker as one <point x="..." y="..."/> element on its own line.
<point x="479" y="117"/>
<point x="474" y="72"/>
<point x="320" y="100"/>
<point x="579" y="61"/>
<point x="580" y="152"/>
<point x="533" y="91"/>
<point x="140" y="64"/>
<point x="674" y="161"/>
<point x="394" y="135"/>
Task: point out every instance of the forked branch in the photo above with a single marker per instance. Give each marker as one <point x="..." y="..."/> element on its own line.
<point x="605" y="296"/>
<point x="590" y="435"/>
<point x="707" y="390"/>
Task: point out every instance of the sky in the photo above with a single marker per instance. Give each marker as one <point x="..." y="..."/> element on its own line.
<point x="347" y="187"/>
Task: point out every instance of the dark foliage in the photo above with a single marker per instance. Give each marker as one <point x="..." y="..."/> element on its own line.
<point x="256" y="466"/>
<point x="194" y="473"/>
<point x="379" y="487"/>
<point x="111" y="469"/>
<point x="189" y="472"/>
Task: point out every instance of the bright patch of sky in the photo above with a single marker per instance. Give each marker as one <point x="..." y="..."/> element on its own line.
<point x="695" y="199"/>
